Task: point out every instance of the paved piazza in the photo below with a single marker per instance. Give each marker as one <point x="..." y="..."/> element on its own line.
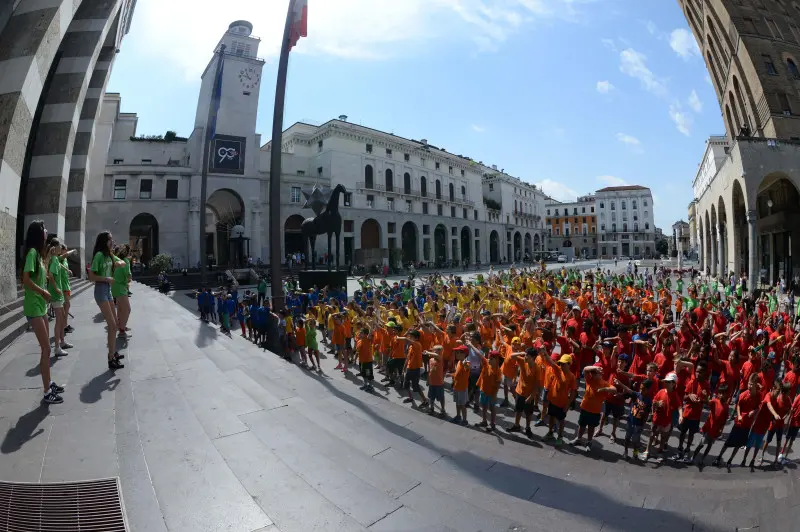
<point x="208" y="433"/>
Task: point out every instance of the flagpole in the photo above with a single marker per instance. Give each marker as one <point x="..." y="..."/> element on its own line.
<point x="208" y="137"/>
<point x="278" y="302"/>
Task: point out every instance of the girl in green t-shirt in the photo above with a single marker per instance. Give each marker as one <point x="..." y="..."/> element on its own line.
<point x="55" y="285"/>
<point x="34" y="279"/>
<point x="100" y="274"/>
<point x="119" y="289"/>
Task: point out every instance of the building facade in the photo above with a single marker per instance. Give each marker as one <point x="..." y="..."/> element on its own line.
<point x="55" y="61"/>
<point x="572" y="228"/>
<point x="625" y="217"/>
<point x="680" y="239"/>
<point x="746" y="192"/>
<point x="405" y="201"/>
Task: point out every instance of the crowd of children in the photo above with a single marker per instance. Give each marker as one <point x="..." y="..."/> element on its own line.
<point x="615" y="347"/>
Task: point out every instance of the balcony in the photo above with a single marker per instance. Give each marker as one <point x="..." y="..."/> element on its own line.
<point x="414" y="193"/>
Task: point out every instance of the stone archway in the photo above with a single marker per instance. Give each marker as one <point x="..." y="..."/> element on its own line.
<point x="370" y="234"/>
<point x="227" y="208"/>
<point x="741" y="237"/>
<point x="143" y="237"/>
<point x="778" y="227"/>
<point x="714" y="237"/>
<point x="292" y="235"/>
<point x="722" y="235"/>
<point x="528" y="247"/>
<point x="408" y="241"/>
<point x="466" y="248"/>
<point x="440" y="244"/>
<point x="536" y="242"/>
<point x="517" y="246"/>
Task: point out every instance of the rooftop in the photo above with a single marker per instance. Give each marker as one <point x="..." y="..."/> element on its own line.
<point x="622" y="188"/>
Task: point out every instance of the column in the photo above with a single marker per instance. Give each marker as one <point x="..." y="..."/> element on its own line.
<point x="700" y="251"/>
<point x="721" y="250"/>
<point x="255" y="230"/>
<point x="194" y="232"/>
<point x="752" y="252"/>
<point x="680" y="254"/>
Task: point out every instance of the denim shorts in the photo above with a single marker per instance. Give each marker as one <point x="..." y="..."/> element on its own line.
<point x="102" y="292"/>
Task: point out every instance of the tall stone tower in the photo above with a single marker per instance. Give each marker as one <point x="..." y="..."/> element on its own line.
<point x="751" y="49"/>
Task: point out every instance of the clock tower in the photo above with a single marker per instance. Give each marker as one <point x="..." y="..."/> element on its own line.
<point x="238" y="108"/>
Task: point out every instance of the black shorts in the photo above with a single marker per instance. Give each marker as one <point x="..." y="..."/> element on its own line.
<point x="617" y="411"/>
<point x="692" y="426"/>
<point x="557" y="412"/>
<point x="737" y="437"/>
<point x="395" y="365"/>
<point x="473" y="382"/>
<point x="771" y="434"/>
<point x="412" y="379"/>
<point x="366" y="370"/>
<point x="521" y="405"/>
<point x="588" y="419"/>
<point x="791" y="434"/>
<point x="348" y="343"/>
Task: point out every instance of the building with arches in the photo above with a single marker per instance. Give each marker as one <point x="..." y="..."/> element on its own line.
<point x="572" y="228"/>
<point x="747" y="184"/>
<point x="55" y="62"/>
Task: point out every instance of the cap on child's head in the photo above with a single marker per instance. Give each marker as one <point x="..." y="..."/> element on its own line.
<point x="671" y="377"/>
<point x="565" y="359"/>
<point x="461" y="349"/>
<point x="494" y="354"/>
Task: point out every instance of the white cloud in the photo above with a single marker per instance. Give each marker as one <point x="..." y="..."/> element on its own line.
<point x="557" y="190"/>
<point x="695" y="103"/>
<point x="477" y="129"/>
<point x="611" y="181"/>
<point x="627" y="139"/>
<point x="683" y="43"/>
<point x="651" y="27"/>
<point x="683" y="120"/>
<point x="634" y="64"/>
<point x="390" y="29"/>
<point x="604" y="87"/>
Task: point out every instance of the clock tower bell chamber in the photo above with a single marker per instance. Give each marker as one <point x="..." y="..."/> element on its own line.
<point x="241" y="83"/>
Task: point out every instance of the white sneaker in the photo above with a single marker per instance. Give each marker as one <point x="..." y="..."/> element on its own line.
<point x="67" y="345"/>
<point x="60" y="352"/>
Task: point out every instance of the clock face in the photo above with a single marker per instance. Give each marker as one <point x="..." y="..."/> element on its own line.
<point x="249" y="77"/>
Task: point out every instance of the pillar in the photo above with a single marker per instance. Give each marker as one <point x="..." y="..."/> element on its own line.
<point x="680" y="254"/>
<point x="194" y="232"/>
<point x="721" y="250"/>
<point x="752" y="252"/>
<point x="255" y="230"/>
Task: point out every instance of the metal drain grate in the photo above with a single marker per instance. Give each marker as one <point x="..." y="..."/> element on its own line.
<point x="91" y="506"/>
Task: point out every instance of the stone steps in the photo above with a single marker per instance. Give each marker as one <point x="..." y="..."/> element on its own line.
<point x="12" y="320"/>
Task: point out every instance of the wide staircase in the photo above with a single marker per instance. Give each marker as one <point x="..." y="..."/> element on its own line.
<point x="207" y="432"/>
<point x="12" y="320"/>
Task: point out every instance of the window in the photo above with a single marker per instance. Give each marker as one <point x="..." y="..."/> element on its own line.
<point x="147" y="161"/>
<point x="240" y="49"/>
<point x="301" y="172"/>
<point x="613" y="206"/>
<point x="120" y="187"/>
<point x="635" y="227"/>
<point x="370" y="201"/>
<point x="474" y="215"/>
<point x="368" y="176"/>
<point x="602" y="205"/>
<point x="439" y="210"/>
<point x="613" y="217"/>
<point x="603" y="228"/>
<point x="389" y="180"/>
<point x="450" y="170"/>
<point x="348" y="226"/>
<point x="119" y="161"/>
<point x="783" y="100"/>
<point x="548" y="212"/>
<point x="319" y="171"/>
<point x="438" y="189"/>
<point x="462" y="173"/>
<point x="464" y="214"/>
<point x="558" y="231"/>
<point x="749" y="26"/>
<point x="172" y="189"/>
<point x="454" y="231"/>
<point x="623" y="205"/>
<point x="635" y="217"/>
<point x="792" y="69"/>
<point x="437" y="166"/>
<point x="592" y="209"/>
<point x="348" y="199"/>
<point x="369" y="148"/>
<point x="406" y="157"/>
<point x="426" y="229"/>
<point x="770" y="66"/>
<point x="491" y="187"/>
<point x="452" y="212"/>
<point x="452" y="190"/>
<point x="613" y="228"/>
<point x="556" y="213"/>
<point x="633" y="204"/>
<point x="422" y="162"/>
<point x="295" y="195"/>
<point x="463" y="192"/>
<point x="425" y="207"/>
<point x="774" y="29"/>
<point x="477" y="233"/>
<point x="408" y="205"/>
<point x="390" y="203"/>
<point x="423" y="187"/>
<point x="388" y="152"/>
<point x="145" y="189"/>
<point x="645" y="204"/>
<point x="645" y="214"/>
<point x="646" y="225"/>
<point x="391" y="227"/>
<point x="319" y="146"/>
<point x="575" y="210"/>
<point x="583" y="210"/>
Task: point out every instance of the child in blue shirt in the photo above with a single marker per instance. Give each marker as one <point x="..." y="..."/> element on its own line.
<point x="641" y="403"/>
<point x="240" y="317"/>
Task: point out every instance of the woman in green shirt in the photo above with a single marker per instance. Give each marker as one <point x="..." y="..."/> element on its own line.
<point x="34" y="280"/>
<point x="119" y="289"/>
<point x="100" y="274"/>
<point x="54" y="286"/>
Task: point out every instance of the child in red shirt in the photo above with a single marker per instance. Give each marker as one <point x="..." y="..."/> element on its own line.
<point x="712" y="428"/>
<point x="781" y="406"/>
<point x="764" y="416"/>
<point x="794" y="428"/>
<point x="746" y="409"/>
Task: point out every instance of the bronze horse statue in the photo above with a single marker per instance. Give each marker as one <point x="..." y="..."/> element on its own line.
<point x="330" y="222"/>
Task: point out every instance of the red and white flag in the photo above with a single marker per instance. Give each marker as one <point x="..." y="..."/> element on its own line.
<point x="299" y="22"/>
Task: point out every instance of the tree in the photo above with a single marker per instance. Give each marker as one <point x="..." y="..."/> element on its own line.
<point x="161" y="262"/>
<point x="662" y="247"/>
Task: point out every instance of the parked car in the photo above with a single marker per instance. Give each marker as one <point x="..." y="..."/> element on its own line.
<point x="637" y="263"/>
<point x="562" y="258"/>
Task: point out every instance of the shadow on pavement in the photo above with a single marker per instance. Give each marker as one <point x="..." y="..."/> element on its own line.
<point x="93" y="390"/>
<point x="573" y="498"/>
<point x="206" y="334"/>
<point x="26" y="429"/>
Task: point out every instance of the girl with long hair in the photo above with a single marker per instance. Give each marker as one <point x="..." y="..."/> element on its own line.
<point x="119" y="290"/>
<point x="34" y="280"/>
<point x="100" y="274"/>
<point x="55" y="286"/>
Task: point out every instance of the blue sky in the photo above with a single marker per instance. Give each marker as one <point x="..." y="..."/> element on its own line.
<point x="571" y="94"/>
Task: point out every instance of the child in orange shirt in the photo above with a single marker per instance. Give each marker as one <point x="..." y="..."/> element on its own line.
<point x="460" y="384"/>
<point x="337" y="340"/>
<point x="435" y="378"/>
<point x="300" y="341"/>
<point x="413" y="368"/>
<point x="528" y="388"/>
<point x="365" y="358"/>
<point x="489" y="384"/>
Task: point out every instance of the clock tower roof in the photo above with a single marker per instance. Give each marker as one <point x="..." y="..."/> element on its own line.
<point x="241" y="27"/>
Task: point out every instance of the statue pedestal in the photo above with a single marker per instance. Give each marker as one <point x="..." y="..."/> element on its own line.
<point x="322" y="278"/>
